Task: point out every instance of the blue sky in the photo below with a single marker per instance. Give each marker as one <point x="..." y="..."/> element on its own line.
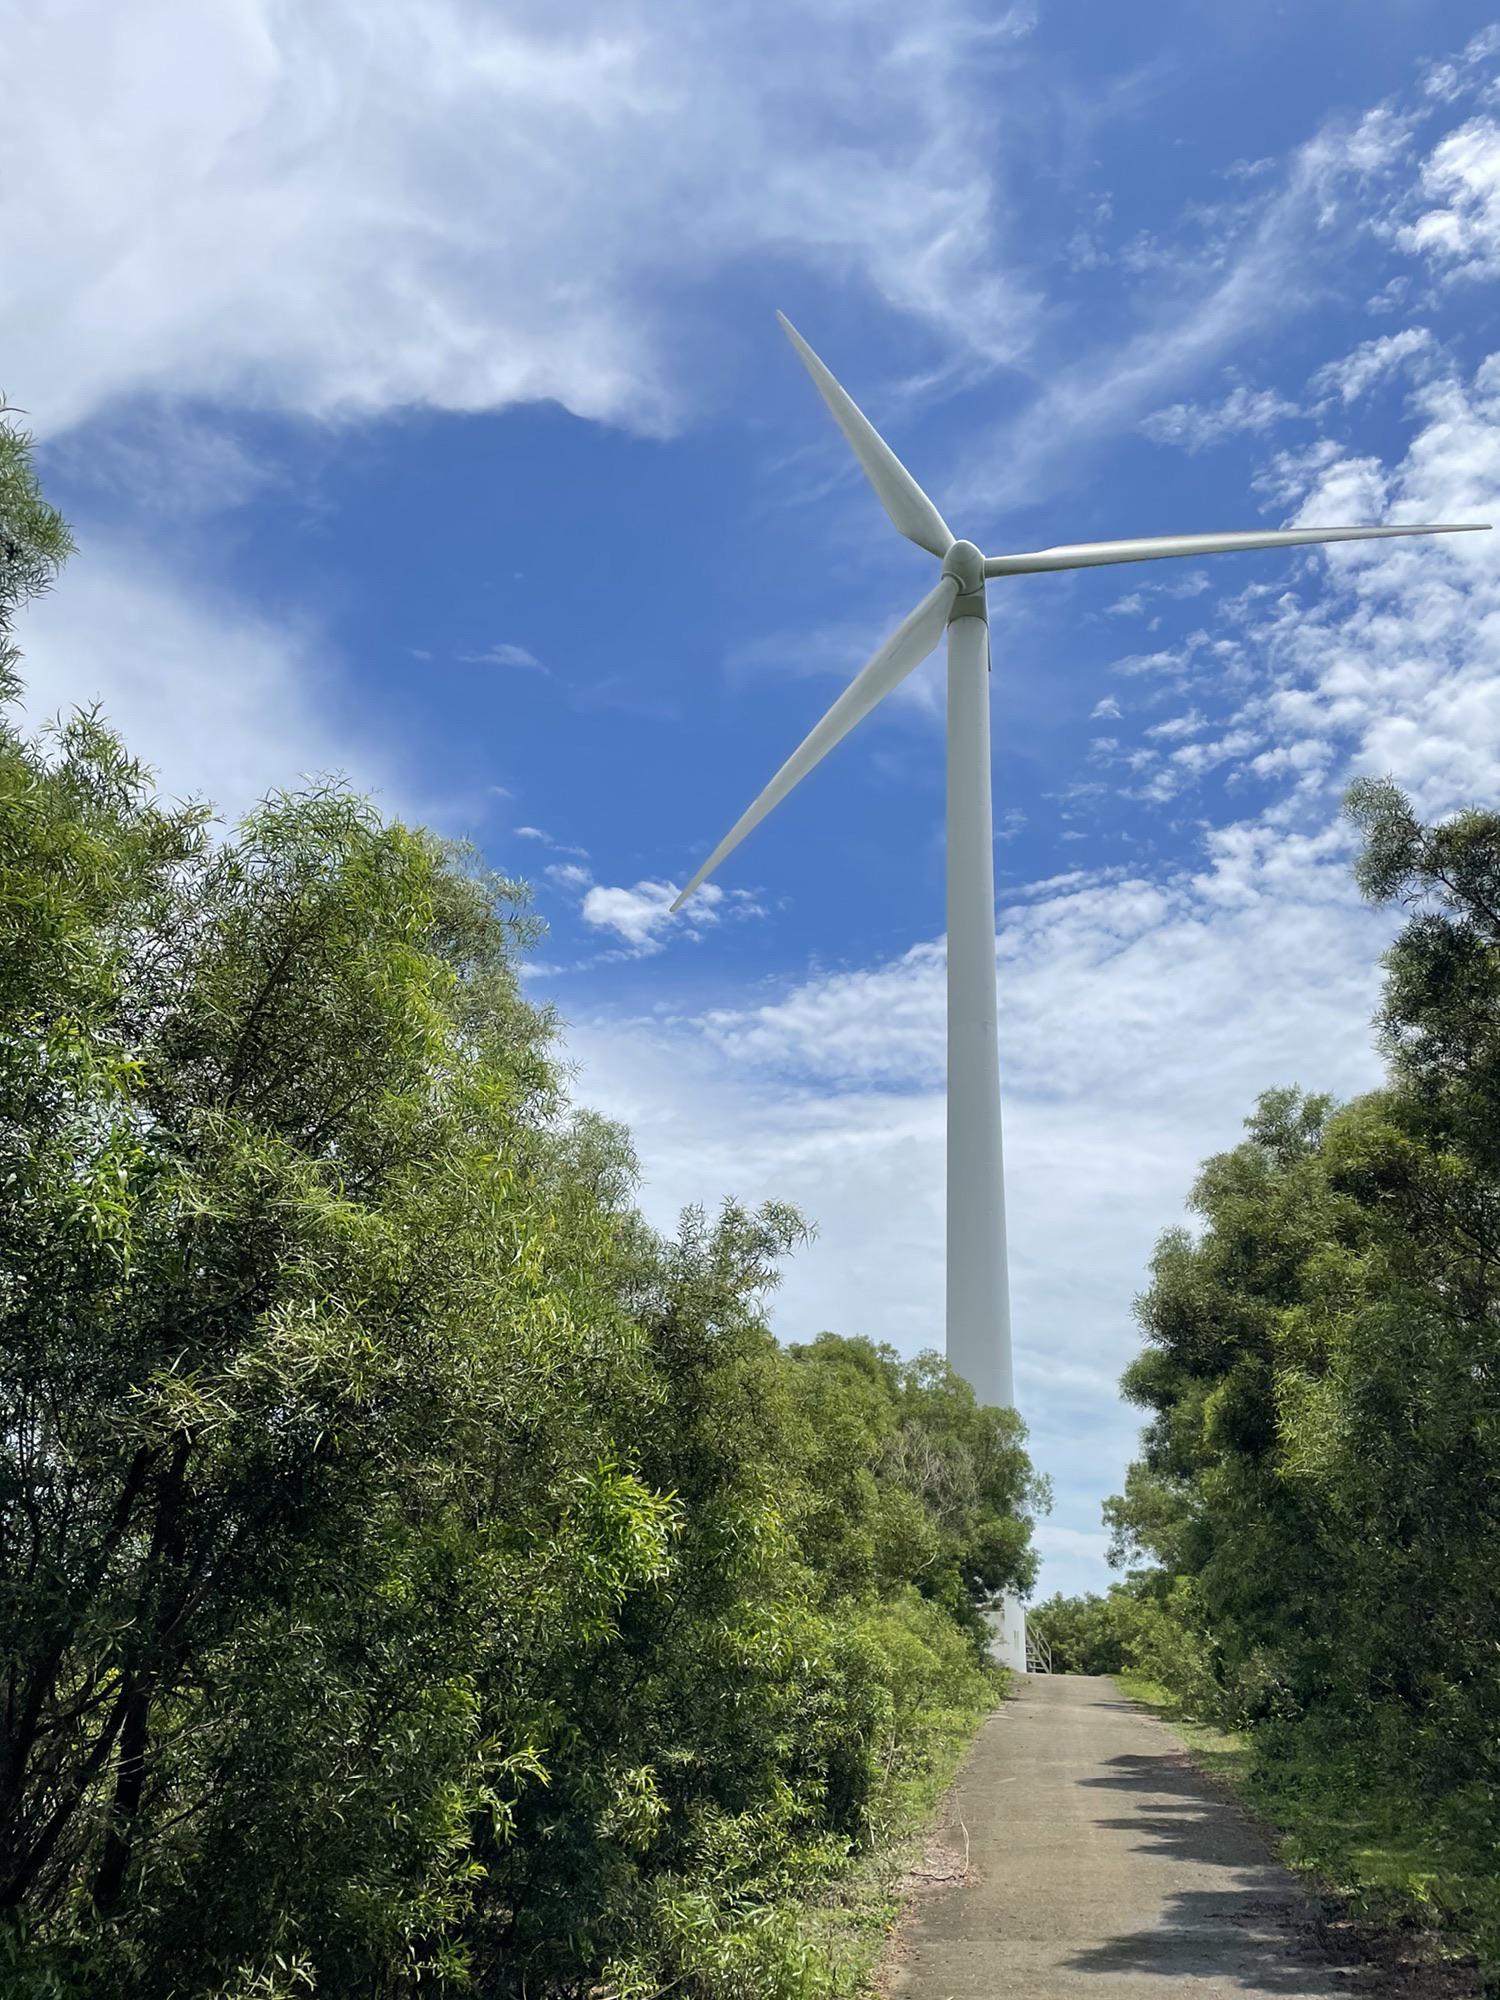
<point x="412" y="378"/>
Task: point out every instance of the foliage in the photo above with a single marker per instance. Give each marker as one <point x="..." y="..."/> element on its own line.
<point x="1317" y="1486"/>
<point x="1083" y="1633"/>
<point x="34" y="538"/>
<point x="413" y="1570"/>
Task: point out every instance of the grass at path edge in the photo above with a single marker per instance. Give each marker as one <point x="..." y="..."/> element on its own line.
<point x="1423" y="1873"/>
<point x="849" y="1925"/>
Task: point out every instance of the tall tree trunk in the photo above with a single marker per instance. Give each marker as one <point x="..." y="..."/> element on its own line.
<point x="162" y="1603"/>
<point x="130" y="1781"/>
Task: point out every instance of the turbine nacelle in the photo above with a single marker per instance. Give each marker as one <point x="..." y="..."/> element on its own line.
<point x="965" y="564"/>
<point x="959" y="591"/>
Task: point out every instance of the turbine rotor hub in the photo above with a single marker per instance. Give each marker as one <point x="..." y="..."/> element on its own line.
<point x="965" y="564"/>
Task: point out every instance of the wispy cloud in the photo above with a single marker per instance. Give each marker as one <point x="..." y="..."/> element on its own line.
<point x="504" y="654"/>
<point x="1196" y="426"/>
<point x="1354" y="374"/>
<point x="1178" y="726"/>
<point x="1148" y="595"/>
<point x="545" y="839"/>
<point x="1452" y="78"/>
<point x="1264" y="259"/>
<point x="225" y="703"/>
<point x="157" y="458"/>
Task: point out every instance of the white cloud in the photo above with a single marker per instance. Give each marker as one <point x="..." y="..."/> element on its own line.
<point x="1397" y="668"/>
<point x="1387" y="656"/>
<point x="638" y="915"/>
<point x="1168" y="660"/>
<point x="1326" y="483"/>
<point x="1370" y="362"/>
<point x="346" y="208"/>
<point x="642" y="916"/>
<point x="1192" y="759"/>
<point x="1378" y="656"/>
<point x="1105" y="710"/>
<point x="1461" y="177"/>
<point x="1196" y="426"/>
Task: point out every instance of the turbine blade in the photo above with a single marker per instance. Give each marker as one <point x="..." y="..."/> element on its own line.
<point x="1084" y="555"/>
<point x="907" y="647"/>
<point x="908" y="506"/>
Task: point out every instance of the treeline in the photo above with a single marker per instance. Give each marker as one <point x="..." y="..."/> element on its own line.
<point x="1318" y="1489"/>
<point x="415" y="1573"/>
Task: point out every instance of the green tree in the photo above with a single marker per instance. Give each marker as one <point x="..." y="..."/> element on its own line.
<point x="1317" y="1480"/>
<point x="34" y="539"/>
<point x="1084" y="1633"/>
<point x="414" y="1571"/>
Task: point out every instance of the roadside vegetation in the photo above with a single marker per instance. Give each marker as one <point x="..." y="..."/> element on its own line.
<point x="1312" y="1528"/>
<point x="416" y="1573"/>
<point x="1084" y="1633"/>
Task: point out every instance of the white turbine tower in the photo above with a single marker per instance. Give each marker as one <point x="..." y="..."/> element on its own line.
<point x="978" y="1303"/>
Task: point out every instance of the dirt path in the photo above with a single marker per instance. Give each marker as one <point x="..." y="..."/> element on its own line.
<point x="1103" y="1864"/>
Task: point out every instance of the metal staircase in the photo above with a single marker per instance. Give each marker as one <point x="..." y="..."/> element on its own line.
<point x="1038" y="1652"/>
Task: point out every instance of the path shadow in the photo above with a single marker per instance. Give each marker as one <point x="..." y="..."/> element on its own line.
<point x="1248" y="1928"/>
<point x="1215" y="1839"/>
<point x="1169" y="1771"/>
<point x="1251" y="1928"/>
<point x="1242" y="1939"/>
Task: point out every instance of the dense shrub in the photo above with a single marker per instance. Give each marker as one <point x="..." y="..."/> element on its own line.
<point x="1083" y="1634"/>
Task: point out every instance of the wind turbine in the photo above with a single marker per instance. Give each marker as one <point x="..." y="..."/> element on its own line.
<point x="978" y="1301"/>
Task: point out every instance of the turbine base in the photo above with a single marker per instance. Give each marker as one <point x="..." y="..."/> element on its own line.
<point x="1006" y="1617"/>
